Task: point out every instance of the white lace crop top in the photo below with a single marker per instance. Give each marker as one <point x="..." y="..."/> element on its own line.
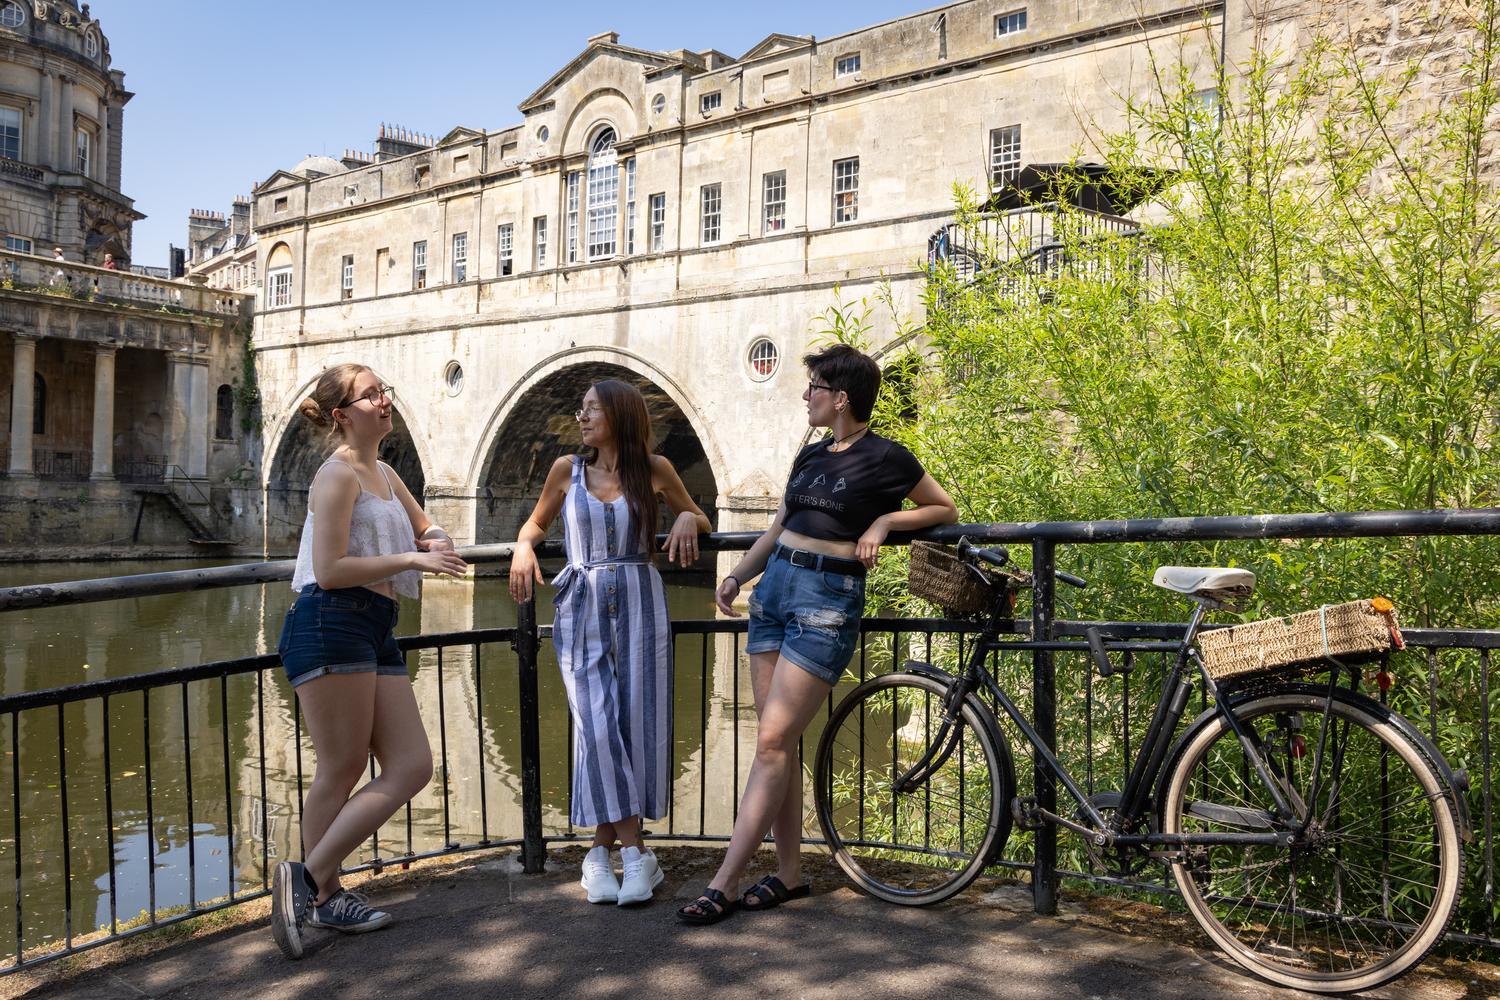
<point x="377" y="527"/>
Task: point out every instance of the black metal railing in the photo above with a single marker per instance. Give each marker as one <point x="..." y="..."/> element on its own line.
<point x="64" y="466"/>
<point x="1008" y="252"/>
<point x="148" y="469"/>
<point x="184" y="793"/>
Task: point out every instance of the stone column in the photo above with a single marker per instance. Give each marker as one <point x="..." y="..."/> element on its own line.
<point x="189" y="415"/>
<point x="104" y="414"/>
<point x="42" y="126"/>
<point x="22" y="398"/>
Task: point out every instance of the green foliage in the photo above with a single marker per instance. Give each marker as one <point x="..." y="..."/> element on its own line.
<point x="247" y="389"/>
<point x="1305" y="324"/>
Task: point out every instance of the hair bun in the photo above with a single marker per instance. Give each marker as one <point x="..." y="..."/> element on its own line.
<point x="314" y="413"/>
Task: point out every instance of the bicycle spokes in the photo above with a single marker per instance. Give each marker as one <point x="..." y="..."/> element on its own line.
<point x="1371" y="865"/>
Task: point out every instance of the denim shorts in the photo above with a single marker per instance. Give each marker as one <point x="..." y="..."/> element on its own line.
<point x="811" y="616"/>
<point x="346" y="631"/>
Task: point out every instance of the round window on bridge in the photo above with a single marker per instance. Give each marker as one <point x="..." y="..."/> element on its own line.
<point x="453" y="376"/>
<point x="764" y="359"/>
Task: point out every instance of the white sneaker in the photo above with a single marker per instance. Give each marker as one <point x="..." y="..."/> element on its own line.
<point x="642" y="876"/>
<point x="599" y="876"/>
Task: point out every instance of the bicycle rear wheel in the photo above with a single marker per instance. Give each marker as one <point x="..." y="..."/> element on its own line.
<point x="922" y="844"/>
<point x="1366" y="892"/>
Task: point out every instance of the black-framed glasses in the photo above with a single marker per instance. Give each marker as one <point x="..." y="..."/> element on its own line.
<point x="815" y="386"/>
<point x="373" y="397"/>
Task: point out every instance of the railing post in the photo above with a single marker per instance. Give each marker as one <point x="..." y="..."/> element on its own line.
<point x="533" y="845"/>
<point x="1044" y="719"/>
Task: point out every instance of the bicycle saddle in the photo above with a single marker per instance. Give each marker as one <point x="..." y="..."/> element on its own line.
<point x="1215" y="583"/>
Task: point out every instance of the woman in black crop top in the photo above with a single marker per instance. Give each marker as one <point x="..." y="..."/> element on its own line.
<point x="843" y="496"/>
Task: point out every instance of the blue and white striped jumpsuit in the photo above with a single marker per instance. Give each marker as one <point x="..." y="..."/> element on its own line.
<point x="615" y="650"/>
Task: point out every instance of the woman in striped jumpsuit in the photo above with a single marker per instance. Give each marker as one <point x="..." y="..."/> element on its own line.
<point x="614" y="643"/>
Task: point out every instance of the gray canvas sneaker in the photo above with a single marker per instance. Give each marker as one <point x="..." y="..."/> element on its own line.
<point x="291" y="899"/>
<point x="348" y="912"/>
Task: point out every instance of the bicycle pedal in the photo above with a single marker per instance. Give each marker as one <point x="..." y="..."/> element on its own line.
<point x="1026" y="812"/>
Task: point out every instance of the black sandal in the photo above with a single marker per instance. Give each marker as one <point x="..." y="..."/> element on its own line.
<point x="771" y="892"/>
<point x="712" y="907"/>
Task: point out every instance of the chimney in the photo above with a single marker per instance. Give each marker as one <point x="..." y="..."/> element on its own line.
<point x="239" y="218"/>
<point x="204" y="228"/>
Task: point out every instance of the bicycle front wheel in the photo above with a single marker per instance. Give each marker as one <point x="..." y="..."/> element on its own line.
<point x="1365" y="892"/>
<point x="921" y="844"/>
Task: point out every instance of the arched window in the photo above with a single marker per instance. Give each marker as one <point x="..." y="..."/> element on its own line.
<point x="603" y="195"/>
<point x="224" y="414"/>
<point x="279" y="276"/>
<point x="38" y="404"/>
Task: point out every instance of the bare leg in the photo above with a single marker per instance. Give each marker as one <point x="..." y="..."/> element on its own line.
<point x="786" y="828"/>
<point x="625" y="832"/>
<point x="339" y="710"/>
<point x="629" y="831"/>
<point x="793" y="699"/>
<point x="399" y="742"/>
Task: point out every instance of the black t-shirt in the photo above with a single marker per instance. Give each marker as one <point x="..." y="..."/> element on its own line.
<point x="837" y="495"/>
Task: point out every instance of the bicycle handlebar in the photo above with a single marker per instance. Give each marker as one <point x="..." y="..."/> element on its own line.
<point x="999" y="556"/>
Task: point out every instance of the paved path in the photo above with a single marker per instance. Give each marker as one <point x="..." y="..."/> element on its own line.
<point x="479" y="928"/>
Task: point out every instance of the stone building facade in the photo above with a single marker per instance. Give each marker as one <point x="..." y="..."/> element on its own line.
<point x="221" y="250"/>
<point x="123" y="427"/>
<point x="62" y="112"/>
<point x="678" y="219"/>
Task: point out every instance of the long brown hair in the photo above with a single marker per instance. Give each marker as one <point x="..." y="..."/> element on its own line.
<point x="625" y="409"/>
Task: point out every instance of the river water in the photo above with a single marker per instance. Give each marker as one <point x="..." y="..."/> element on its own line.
<point x="236" y="744"/>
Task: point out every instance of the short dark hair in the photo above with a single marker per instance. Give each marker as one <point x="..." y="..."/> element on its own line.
<point x="849" y="371"/>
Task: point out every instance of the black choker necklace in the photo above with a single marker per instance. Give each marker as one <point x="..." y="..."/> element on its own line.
<point x="839" y="441"/>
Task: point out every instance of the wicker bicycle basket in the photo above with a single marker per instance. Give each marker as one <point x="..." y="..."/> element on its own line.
<point x="937" y="575"/>
<point x="1349" y="633"/>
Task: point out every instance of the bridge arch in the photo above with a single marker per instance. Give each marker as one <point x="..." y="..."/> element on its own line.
<point x="533" y="425"/>
<point x="297" y="449"/>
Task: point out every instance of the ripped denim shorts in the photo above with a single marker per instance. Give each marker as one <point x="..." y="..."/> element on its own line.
<point x="810" y="615"/>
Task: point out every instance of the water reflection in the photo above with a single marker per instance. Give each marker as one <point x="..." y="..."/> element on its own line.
<point x="205" y="778"/>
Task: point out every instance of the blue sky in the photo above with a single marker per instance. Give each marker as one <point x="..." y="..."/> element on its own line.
<point x="229" y="90"/>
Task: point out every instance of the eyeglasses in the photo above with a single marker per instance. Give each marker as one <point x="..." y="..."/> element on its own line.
<point x="373" y="397"/>
<point x="588" y="411"/>
<point x="815" y="386"/>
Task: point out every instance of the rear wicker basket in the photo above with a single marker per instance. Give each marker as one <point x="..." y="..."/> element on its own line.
<point x="937" y="575"/>
<point x="1351" y="632"/>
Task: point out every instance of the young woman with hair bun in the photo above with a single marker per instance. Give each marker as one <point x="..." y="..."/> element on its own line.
<point x="614" y="642"/>
<point x="366" y="540"/>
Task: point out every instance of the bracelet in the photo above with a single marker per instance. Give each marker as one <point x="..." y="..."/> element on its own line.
<point x="737" y="584"/>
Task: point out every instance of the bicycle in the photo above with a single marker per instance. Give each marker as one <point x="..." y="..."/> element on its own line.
<point x="1313" y="833"/>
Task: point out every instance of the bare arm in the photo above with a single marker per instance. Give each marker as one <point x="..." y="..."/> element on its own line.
<point x="427" y="534"/>
<point x="933" y="507"/>
<point x="523" y="565"/>
<point x="668" y="485"/>
<point x="688" y="518"/>
<point x="751" y="564"/>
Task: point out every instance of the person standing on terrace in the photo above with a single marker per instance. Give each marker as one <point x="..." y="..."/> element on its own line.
<point x="843" y="496"/>
<point x="365" y="540"/>
<point x="614" y="642"/>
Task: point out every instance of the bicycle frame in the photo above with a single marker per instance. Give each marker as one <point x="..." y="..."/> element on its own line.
<point x="1136" y="795"/>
